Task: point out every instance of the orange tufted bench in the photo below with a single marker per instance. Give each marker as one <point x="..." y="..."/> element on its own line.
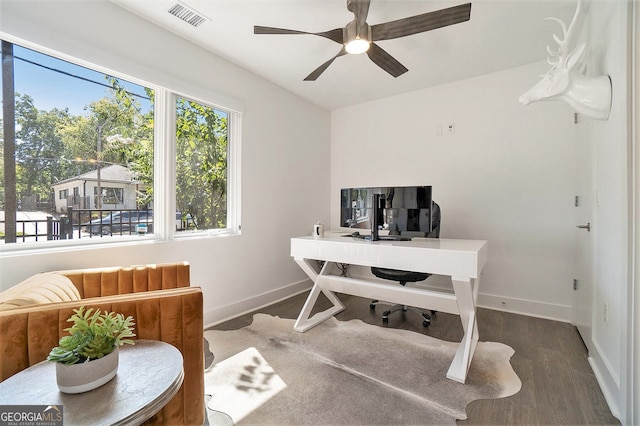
<point x="160" y="299"/>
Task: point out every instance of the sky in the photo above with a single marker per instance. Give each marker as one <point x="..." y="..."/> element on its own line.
<point x="62" y="84"/>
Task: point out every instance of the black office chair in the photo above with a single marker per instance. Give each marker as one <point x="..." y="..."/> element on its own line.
<point x="404" y="277"/>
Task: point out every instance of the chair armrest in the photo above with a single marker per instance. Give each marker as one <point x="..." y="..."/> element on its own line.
<point x="174" y="316"/>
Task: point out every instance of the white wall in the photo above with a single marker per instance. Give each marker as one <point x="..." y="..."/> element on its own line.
<point x="504" y="176"/>
<point x="285" y="150"/>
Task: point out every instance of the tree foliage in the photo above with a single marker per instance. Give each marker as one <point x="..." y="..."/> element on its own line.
<point x="201" y="163"/>
<point x="55" y="145"/>
<point x="38" y="147"/>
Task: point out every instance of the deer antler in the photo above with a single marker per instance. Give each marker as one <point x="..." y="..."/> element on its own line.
<point x="565" y="80"/>
<point x="564" y="45"/>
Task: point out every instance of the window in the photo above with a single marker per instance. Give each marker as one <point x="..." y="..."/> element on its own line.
<point x="72" y="125"/>
<point x="110" y="196"/>
<point x="80" y="130"/>
<point x="201" y="163"/>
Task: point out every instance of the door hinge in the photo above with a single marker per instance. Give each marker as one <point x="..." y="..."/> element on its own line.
<point x="576" y="201"/>
<point x="575" y="284"/>
<point x="575" y="118"/>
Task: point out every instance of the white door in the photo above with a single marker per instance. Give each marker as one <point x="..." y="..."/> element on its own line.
<point x="584" y="220"/>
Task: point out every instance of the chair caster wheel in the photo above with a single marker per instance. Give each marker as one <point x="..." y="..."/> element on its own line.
<point x="426" y="323"/>
<point x="372" y="307"/>
<point x="385" y="320"/>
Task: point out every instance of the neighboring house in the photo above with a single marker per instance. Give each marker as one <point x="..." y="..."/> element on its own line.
<point x="118" y="188"/>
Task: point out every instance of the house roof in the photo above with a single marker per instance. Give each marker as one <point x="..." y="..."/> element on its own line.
<point x="113" y="173"/>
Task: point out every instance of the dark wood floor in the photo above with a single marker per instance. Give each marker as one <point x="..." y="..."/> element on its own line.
<point x="558" y="385"/>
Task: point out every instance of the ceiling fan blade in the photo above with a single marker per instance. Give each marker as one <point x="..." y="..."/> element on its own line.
<point x="360" y="9"/>
<point x="316" y="73"/>
<point x="385" y="61"/>
<point x="421" y="23"/>
<point x="335" y="34"/>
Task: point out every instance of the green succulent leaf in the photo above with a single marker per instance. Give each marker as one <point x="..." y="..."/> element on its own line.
<point x="92" y="336"/>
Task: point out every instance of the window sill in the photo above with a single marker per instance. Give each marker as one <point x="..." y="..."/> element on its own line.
<point x="36" y="247"/>
<point x="40" y="247"/>
<point x="213" y="233"/>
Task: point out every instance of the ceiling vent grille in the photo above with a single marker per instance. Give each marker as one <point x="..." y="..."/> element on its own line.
<point x="187" y="14"/>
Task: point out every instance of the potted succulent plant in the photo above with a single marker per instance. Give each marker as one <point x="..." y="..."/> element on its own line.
<point x="88" y="357"/>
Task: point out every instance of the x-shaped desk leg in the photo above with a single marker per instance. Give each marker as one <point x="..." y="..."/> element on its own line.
<point x="466" y="290"/>
<point x="303" y="323"/>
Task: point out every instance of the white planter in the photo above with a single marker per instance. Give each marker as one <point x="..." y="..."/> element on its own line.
<point x="77" y="378"/>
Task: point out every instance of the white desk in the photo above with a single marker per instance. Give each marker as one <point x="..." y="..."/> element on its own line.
<point x="462" y="260"/>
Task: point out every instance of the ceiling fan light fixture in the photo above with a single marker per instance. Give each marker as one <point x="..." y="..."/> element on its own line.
<point x="357" y="46"/>
<point x="359" y="37"/>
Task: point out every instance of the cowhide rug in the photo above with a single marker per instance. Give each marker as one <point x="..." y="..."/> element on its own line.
<point x="348" y="373"/>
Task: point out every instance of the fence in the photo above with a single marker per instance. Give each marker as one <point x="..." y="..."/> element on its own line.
<point x="48" y="229"/>
<point x="85" y="223"/>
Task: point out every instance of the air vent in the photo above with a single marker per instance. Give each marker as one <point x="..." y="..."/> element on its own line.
<point x="187" y="14"/>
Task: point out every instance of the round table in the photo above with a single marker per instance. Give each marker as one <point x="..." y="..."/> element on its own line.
<point x="150" y="373"/>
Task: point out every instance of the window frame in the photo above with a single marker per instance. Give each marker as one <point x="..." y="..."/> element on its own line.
<point x="164" y="164"/>
<point x="233" y="167"/>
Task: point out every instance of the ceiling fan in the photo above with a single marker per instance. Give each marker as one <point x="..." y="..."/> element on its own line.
<point x="359" y="37"/>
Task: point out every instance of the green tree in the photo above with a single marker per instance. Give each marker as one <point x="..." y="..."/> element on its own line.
<point x="38" y="148"/>
<point x="201" y="155"/>
<point x="79" y="140"/>
<point x="131" y="141"/>
<point x="201" y="163"/>
<point x="113" y="132"/>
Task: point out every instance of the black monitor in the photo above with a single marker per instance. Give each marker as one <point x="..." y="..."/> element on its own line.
<point x="402" y="210"/>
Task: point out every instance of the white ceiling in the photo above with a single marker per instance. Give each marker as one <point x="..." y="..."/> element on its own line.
<point x="500" y="34"/>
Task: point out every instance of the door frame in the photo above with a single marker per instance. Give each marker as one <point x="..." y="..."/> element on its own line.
<point x="633" y="328"/>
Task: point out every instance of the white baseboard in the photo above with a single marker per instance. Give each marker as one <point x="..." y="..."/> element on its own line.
<point x="499" y="303"/>
<point x="526" y="307"/>
<point x="608" y="381"/>
<point x="225" y="313"/>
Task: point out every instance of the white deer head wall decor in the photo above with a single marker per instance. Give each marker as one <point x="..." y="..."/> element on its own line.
<point x="590" y="96"/>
